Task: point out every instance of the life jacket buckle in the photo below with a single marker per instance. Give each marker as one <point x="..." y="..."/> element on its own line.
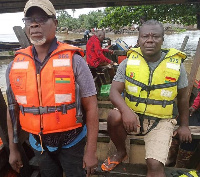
<point x="64" y="108"/>
<point x="79" y="118"/>
<point x="164" y="103"/>
<point x="43" y="110"/>
<point x="22" y="109"/>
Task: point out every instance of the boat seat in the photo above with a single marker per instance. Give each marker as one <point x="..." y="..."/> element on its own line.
<point x="135" y="170"/>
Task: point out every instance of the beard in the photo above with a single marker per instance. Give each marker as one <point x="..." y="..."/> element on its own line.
<point x="38" y="42"/>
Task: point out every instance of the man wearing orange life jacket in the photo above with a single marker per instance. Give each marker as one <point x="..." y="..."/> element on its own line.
<point x="48" y="81"/>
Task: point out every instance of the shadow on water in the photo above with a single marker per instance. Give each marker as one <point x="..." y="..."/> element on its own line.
<point x="171" y="41"/>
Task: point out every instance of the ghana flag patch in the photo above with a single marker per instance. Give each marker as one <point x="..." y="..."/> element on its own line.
<point x="62" y="79"/>
<point x="169" y="79"/>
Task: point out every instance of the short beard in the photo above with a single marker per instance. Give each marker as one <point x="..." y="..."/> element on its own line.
<point x="38" y="42"/>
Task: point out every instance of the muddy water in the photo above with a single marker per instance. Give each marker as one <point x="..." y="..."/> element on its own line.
<point x="171" y="40"/>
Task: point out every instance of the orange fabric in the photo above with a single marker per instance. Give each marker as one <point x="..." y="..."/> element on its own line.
<point x="121" y="58"/>
<point x="54" y="80"/>
<point x="1" y="142"/>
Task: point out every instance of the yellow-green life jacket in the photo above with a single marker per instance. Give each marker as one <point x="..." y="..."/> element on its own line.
<point x="152" y="92"/>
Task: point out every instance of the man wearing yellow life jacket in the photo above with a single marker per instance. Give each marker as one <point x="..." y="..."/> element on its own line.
<point x="150" y="78"/>
<point x="48" y="84"/>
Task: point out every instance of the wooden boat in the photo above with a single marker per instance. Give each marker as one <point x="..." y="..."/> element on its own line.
<point x="134" y="166"/>
<point x="76" y="42"/>
<point x="9" y="46"/>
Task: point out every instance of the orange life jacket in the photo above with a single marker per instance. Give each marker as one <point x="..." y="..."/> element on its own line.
<point x="47" y="100"/>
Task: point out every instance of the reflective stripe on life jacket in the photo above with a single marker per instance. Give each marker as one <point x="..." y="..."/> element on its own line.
<point x="152" y="92"/>
<point x="51" y="93"/>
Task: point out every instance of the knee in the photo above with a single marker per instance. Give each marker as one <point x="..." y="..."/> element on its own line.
<point x="114" y="118"/>
<point x="154" y="166"/>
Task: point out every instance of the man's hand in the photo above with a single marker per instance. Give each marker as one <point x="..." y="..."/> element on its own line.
<point x="130" y="121"/>
<point x="15" y="160"/>
<point x="90" y="162"/>
<point x="191" y="110"/>
<point x="184" y="134"/>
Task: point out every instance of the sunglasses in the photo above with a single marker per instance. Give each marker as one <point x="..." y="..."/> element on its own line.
<point x="40" y="20"/>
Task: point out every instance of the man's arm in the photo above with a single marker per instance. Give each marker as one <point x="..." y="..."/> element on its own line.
<point x="15" y="156"/>
<point x="130" y="121"/>
<point x="88" y="92"/>
<point x="90" y="107"/>
<point x="183" y="107"/>
<point x="100" y="55"/>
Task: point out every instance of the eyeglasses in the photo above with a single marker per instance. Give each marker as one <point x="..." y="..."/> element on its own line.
<point x="40" y="20"/>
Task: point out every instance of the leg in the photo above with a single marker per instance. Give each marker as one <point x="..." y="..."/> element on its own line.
<point x="118" y="136"/>
<point x="157" y="144"/>
<point x="155" y="168"/>
<point x="72" y="160"/>
<point x="117" y="133"/>
<point x="48" y="168"/>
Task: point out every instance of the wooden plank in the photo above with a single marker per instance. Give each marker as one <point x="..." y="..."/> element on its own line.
<point x="11" y="6"/>
<point x="195" y="131"/>
<point x="184" y="43"/>
<point x="21" y="36"/>
<point x="194" y="69"/>
<point x="135" y="170"/>
<point x="105" y="104"/>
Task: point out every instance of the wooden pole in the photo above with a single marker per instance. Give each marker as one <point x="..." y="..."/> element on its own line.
<point x="184" y="43"/>
<point x="194" y="69"/>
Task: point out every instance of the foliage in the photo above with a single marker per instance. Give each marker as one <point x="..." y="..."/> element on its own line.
<point x="117" y="17"/>
<point x="83" y="22"/>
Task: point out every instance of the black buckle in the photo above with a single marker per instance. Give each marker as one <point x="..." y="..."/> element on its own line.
<point x="64" y="108"/>
<point x="164" y="103"/>
<point x="79" y="118"/>
<point x="22" y="109"/>
<point x="42" y="110"/>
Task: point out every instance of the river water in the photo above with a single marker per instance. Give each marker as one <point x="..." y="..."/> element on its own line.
<point x="171" y="41"/>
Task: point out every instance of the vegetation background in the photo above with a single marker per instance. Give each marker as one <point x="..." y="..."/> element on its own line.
<point x="115" y="18"/>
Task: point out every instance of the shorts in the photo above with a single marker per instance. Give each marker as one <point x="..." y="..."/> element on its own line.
<point x="158" y="140"/>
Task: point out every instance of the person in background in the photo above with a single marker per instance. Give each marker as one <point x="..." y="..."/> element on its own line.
<point x="47" y="85"/>
<point x="86" y="35"/>
<point x="94" y="51"/>
<point x="151" y="78"/>
<point x="196" y="104"/>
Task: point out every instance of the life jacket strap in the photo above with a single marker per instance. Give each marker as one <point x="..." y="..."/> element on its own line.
<point x="150" y="87"/>
<point x="47" y="109"/>
<point x="148" y="101"/>
<point x="141" y="119"/>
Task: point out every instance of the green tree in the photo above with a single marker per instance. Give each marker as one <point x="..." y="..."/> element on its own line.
<point x="66" y="20"/>
<point x="90" y="20"/>
<point x="117" y="17"/>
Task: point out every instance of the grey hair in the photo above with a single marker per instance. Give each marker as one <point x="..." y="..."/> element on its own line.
<point x="153" y="22"/>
